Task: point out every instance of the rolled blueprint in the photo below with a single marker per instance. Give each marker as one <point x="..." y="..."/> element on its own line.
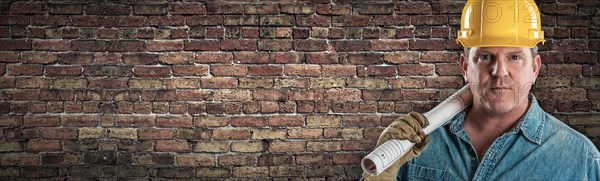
<point x="389" y="152"/>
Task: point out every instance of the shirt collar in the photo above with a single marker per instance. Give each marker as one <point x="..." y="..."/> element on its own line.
<point x="531" y="124"/>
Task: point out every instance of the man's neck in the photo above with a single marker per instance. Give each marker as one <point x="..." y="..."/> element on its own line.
<point x="484" y="127"/>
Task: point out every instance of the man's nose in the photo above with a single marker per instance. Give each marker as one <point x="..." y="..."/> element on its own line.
<point x="499" y="68"/>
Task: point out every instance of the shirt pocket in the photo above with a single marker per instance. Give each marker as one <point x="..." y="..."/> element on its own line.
<point x="421" y="173"/>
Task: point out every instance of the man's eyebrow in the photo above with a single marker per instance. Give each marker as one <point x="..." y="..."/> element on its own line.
<point x="516" y="52"/>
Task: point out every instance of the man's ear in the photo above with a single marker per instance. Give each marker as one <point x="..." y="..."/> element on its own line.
<point x="463" y="66"/>
<point x="537" y="64"/>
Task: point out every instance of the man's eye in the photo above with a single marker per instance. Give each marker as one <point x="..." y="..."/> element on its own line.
<point x="485" y="57"/>
<point x="515" y="57"/>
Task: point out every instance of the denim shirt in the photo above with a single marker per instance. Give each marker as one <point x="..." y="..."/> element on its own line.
<point x="539" y="147"/>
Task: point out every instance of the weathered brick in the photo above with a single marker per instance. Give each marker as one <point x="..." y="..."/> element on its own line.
<point x="250" y="171"/>
<point x="326" y="121"/>
<point x="195" y="160"/>
<point x="42" y="145"/>
<point x="10" y="146"/>
<point x="287" y="147"/>
<point x="231" y="134"/>
<point x="173" y="146"/>
<point x="323" y="146"/>
<point x="312" y="159"/>
<point x="305" y="133"/>
<point x="123" y="133"/>
<point x="248" y="147"/>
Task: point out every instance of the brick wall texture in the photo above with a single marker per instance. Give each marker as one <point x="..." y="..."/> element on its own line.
<point x="242" y="90"/>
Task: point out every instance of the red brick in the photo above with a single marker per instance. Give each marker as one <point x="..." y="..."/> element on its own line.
<point x="41" y="121"/>
<point x="202" y="45"/>
<point x="79" y="121"/>
<point x="156" y="134"/>
<point x="108" y="9"/>
<point x="154" y="72"/>
<point x="287" y="147"/>
<point x="381" y="71"/>
<point x="266" y="70"/>
<point x="231" y="134"/>
<point x="164" y="45"/>
<point x="406" y="7"/>
<point x="240" y="45"/>
<point x="415" y="69"/>
<point x="419" y="94"/>
<point x="39" y="57"/>
<point x="204" y="20"/>
<point x="236" y="160"/>
<point x="70" y="9"/>
<point x="214" y="57"/>
<point x="352" y="20"/>
<point x="261" y="9"/>
<point x="439" y="57"/>
<point x="42" y="145"/>
<point x="9" y="57"/>
<point x="447" y="69"/>
<point x="248" y="121"/>
<point x="140" y="59"/>
<point x="426" y="45"/>
<point x="107" y="83"/>
<point x="341" y="9"/>
<point x="51" y="45"/>
<point x="166" y="20"/>
<point x="352" y="45"/>
<point x="63" y="71"/>
<point x="299" y="95"/>
<point x="358" y="145"/>
<point x="28" y="8"/>
<point x="312" y="21"/>
<point x="219" y="82"/>
<point x="126" y="46"/>
<point x="136" y="121"/>
<point x="365" y="58"/>
<point x="564" y="69"/>
<point x="25" y="70"/>
<point x="310" y="45"/>
<point x="190" y="70"/>
<point x="240" y="20"/>
<point x="229" y="70"/>
<point x="302" y="70"/>
<point x="445" y="82"/>
<point x="274" y="45"/>
<point x="178" y="122"/>
<point x="187" y="8"/>
<point x="389" y="45"/>
<point x="150" y="9"/>
<point x="59" y="133"/>
<point x="88" y="45"/>
<point x="329" y="146"/>
<point x="339" y="70"/>
<point x="285" y="121"/>
<point x="192" y="95"/>
<point x="173" y="146"/>
<point x="322" y="58"/>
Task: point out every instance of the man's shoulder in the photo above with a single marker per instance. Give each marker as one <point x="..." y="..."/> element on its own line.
<point x="557" y="130"/>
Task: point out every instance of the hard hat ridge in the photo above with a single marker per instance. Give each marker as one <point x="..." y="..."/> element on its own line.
<point x="514" y="23"/>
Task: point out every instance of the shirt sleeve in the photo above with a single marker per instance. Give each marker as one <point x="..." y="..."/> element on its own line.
<point x="594" y="167"/>
<point x="402" y="172"/>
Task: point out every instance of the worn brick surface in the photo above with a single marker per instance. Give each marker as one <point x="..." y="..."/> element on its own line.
<point x="246" y="90"/>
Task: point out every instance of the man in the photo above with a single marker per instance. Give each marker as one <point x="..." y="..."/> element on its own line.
<point x="504" y="134"/>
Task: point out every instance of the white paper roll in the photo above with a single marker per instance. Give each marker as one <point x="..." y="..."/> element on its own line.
<point x="389" y="152"/>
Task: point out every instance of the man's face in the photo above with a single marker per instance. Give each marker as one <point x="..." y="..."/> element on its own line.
<point x="500" y="77"/>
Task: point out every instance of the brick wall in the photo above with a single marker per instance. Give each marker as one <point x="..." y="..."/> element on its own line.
<point x="246" y="89"/>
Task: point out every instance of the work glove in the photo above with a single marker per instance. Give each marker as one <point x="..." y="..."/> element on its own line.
<point x="409" y="127"/>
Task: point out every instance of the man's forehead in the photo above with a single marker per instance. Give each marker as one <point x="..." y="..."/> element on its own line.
<point x="496" y="50"/>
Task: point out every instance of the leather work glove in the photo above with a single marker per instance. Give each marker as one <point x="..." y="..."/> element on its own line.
<point x="409" y="127"/>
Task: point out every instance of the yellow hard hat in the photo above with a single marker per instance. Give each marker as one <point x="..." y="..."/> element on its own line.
<point x="514" y="23"/>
